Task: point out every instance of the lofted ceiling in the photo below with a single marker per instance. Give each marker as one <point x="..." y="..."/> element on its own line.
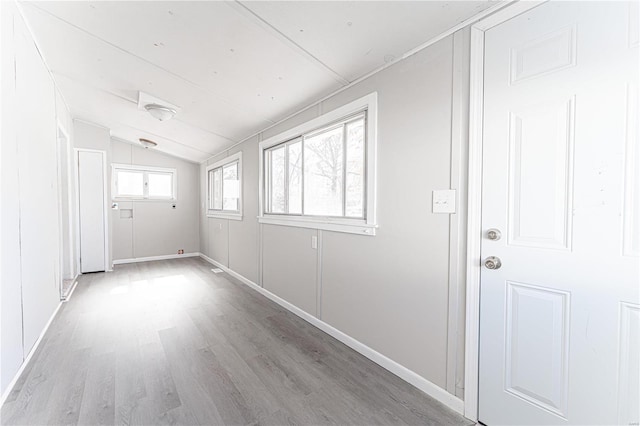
<point x="233" y="68"/>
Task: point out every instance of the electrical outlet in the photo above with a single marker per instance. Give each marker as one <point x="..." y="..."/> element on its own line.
<point x="181" y="251"/>
<point x="314" y="242"/>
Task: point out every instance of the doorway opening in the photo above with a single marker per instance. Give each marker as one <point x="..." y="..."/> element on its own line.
<point x="67" y="267"/>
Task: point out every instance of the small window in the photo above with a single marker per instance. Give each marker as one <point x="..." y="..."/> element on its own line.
<point x="322" y="173"/>
<point x="224" y="188"/>
<point x="143" y="183"/>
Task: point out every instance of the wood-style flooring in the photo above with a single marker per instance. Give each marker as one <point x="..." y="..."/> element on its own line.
<point x="170" y="342"/>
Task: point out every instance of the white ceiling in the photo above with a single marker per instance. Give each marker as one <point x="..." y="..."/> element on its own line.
<point x="233" y="68"/>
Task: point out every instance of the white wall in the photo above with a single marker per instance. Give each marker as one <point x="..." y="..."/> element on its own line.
<point x="156" y="229"/>
<point x="392" y="291"/>
<point x="91" y="136"/>
<point x="30" y="261"/>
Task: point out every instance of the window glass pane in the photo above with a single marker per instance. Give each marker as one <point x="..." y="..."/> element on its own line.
<point x="217" y="189"/>
<point x="323" y="173"/>
<point x="277" y="180"/>
<point x="231" y="187"/>
<point x="355" y="169"/>
<point x="295" y="177"/>
<point x="160" y="185"/>
<point x="130" y="183"/>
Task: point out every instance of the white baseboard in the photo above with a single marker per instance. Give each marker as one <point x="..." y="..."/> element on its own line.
<point x="74" y="284"/>
<point x="28" y="358"/>
<point x="404" y="373"/>
<point x="152" y="258"/>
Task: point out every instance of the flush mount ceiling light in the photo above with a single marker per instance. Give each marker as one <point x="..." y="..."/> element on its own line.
<point x="160" y="112"/>
<point x="147" y="143"/>
<point x="158" y="108"/>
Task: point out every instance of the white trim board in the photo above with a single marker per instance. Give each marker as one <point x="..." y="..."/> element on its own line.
<point x="404" y="373"/>
<point x="74" y="284"/>
<point x="26" y="361"/>
<point x="68" y="186"/>
<point x="474" y="226"/>
<point x="153" y="258"/>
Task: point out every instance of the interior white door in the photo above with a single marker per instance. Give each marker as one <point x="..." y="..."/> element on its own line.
<point x="560" y="319"/>
<point x="91" y="175"/>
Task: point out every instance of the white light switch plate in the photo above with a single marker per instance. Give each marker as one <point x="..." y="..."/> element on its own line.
<point x="444" y="201"/>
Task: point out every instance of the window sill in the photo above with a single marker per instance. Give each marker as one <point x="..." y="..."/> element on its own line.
<point x="225" y="216"/>
<point x="336" y="226"/>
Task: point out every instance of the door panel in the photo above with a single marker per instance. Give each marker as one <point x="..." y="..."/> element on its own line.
<point x="629" y="372"/>
<point x="537" y="336"/>
<point x="540" y="204"/>
<point x="631" y="230"/>
<point x="560" y="181"/>
<point x="544" y="55"/>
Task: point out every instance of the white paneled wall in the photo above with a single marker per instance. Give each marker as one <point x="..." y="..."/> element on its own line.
<point x="290" y="265"/>
<point x="156" y="228"/>
<point x="390" y="292"/>
<point x="31" y="268"/>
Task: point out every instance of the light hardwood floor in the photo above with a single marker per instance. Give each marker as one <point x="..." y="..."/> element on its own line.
<point x="170" y="342"/>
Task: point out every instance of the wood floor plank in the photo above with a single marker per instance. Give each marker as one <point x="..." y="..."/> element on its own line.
<point x="255" y="394"/>
<point x="159" y="384"/>
<point x="193" y="395"/>
<point x="129" y="382"/>
<point x="98" y="401"/>
<point x="70" y="386"/>
<point x="172" y="343"/>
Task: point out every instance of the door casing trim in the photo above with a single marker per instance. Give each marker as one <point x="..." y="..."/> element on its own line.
<point x="474" y="225"/>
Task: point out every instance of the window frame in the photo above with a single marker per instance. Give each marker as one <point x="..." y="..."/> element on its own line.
<point x="145" y="170"/>
<point x="362" y="226"/>
<point x="224" y="214"/>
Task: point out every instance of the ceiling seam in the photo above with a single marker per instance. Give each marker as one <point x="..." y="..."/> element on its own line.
<point x="296" y="47"/>
<point x="165" y="138"/>
<point x="481" y="15"/>
<point x="110" y="129"/>
<point x="137" y="145"/>
<point x="194" y="84"/>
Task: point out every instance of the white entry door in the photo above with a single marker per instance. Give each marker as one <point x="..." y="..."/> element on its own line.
<point x="91" y="175"/>
<point x="560" y="318"/>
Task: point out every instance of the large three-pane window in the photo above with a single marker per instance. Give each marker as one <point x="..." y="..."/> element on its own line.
<point x="322" y="173"/>
<point x="224" y="187"/>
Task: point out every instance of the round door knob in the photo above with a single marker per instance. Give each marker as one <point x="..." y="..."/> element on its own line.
<point x="492" y="262"/>
<point x="494" y="234"/>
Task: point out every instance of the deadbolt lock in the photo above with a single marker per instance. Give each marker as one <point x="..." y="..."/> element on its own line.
<point x="494" y="234"/>
<point x="492" y="262"/>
